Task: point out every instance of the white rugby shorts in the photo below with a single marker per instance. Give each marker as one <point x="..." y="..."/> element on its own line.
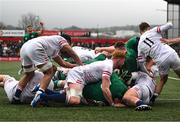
<point x="173" y="61"/>
<point x="33" y="55"/>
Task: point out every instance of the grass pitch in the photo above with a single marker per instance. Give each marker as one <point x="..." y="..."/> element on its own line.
<point x="167" y="107"/>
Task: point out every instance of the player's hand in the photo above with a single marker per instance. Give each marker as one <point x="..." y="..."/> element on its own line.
<point x="163" y="40"/>
<point x="98" y="50"/>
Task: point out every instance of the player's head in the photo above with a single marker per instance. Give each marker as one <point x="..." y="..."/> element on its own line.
<point x="67" y="37"/>
<point x="119" y="45"/>
<point x="143" y="27"/>
<point x="118" y="57"/>
<point x="29" y="28"/>
<point x="2" y="80"/>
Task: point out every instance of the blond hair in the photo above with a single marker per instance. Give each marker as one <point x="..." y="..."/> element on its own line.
<point x="119" y="54"/>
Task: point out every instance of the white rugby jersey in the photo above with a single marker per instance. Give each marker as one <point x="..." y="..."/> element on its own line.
<point x="150" y="44"/>
<point x="84" y="53"/>
<point x="93" y="72"/>
<point x="51" y="44"/>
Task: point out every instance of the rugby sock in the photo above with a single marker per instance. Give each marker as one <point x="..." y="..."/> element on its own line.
<point x="18" y="93"/>
<point x="49" y="92"/>
<point x="56" y="96"/>
<point x="139" y="102"/>
<point x="41" y="90"/>
<point x="57" y="83"/>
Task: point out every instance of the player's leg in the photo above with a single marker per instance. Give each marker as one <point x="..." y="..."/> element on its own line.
<point x="59" y="83"/>
<point x="58" y="96"/>
<point x="74" y="93"/>
<point x="160" y="85"/>
<point x="50" y="94"/>
<point x="137" y="96"/>
<point x="27" y="76"/>
<point x="163" y="73"/>
<point x="28" y="69"/>
<point x="48" y="71"/>
<point x="131" y="97"/>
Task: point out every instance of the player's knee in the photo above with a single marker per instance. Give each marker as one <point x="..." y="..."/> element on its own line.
<point x="29" y="69"/>
<point x="74" y="100"/>
<point x="125" y="97"/>
<point x="46" y="68"/>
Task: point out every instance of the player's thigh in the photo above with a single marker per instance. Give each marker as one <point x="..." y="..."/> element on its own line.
<point x="131" y="92"/>
<point x="143" y="92"/>
<point x="10" y="85"/>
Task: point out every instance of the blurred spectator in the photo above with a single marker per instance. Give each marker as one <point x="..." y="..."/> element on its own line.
<point x="30" y="33"/>
<point x="9" y="49"/>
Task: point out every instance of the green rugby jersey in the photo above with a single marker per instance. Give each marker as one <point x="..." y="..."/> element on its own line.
<point x="29" y="36"/>
<point x="94" y="91"/>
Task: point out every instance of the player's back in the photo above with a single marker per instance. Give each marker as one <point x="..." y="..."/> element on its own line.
<point x="94" y="71"/>
<point x="84" y="53"/>
<point x="145" y="79"/>
<point x="150" y="45"/>
<point x="50" y="44"/>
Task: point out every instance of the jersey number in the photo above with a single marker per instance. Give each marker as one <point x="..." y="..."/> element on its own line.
<point x="148" y="42"/>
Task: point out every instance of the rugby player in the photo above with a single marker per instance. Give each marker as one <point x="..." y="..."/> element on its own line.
<point x="10" y="84"/>
<point x="162" y="54"/>
<point x="35" y="54"/>
<point x="140" y="94"/>
<point x="80" y="76"/>
<point x="32" y="34"/>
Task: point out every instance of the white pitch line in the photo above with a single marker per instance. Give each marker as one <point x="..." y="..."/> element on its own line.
<point x="168" y="99"/>
<point x="173" y="78"/>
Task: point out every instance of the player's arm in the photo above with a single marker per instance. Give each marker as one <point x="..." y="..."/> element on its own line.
<point x="163" y="28"/>
<point x="170" y="41"/>
<point x="107" y="49"/>
<point x="141" y="61"/>
<point x="71" y="53"/>
<point x="63" y="63"/>
<point x="149" y="63"/>
<point x="105" y="89"/>
<point x="41" y="28"/>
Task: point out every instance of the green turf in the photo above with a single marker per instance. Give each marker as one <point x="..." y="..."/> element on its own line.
<point x="167" y="107"/>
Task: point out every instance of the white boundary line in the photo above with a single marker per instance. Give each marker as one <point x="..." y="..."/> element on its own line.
<point x="173" y="78"/>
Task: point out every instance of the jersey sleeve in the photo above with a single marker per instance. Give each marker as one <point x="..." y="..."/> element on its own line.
<point x="62" y="42"/>
<point x="163" y="28"/>
<point x="107" y="69"/>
